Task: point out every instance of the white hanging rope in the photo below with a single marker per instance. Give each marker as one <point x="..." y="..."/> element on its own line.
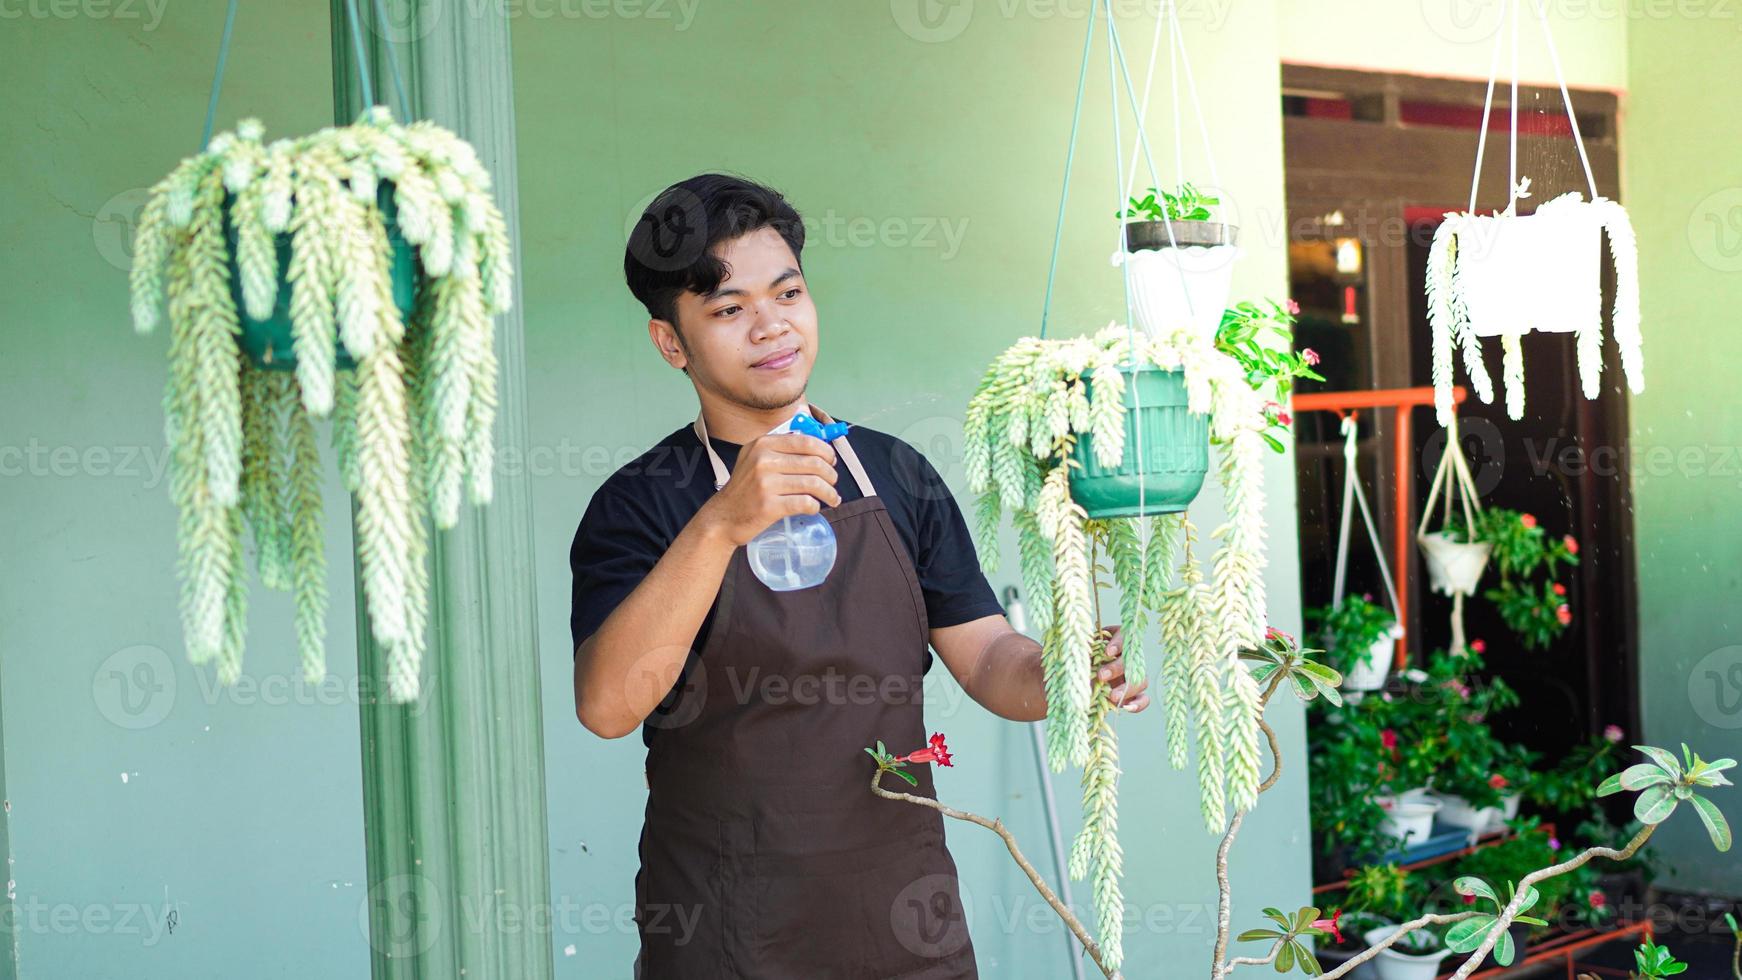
<point x="1566" y="97"/>
<point x="1352" y="490"/>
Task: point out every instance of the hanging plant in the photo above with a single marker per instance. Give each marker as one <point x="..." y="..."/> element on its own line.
<point x="1504" y="275"/>
<point x="248" y="242"/>
<point x="1180" y="260"/>
<point x="1041" y="407"/>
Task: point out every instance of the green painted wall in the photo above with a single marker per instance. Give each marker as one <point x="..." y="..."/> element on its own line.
<point x="1455" y="38"/>
<point x="137" y="790"/>
<point x="889" y="143"/>
<point x="1682" y="167"/>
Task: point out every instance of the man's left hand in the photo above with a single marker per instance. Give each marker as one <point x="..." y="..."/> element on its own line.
<point x="1131" y="697"/>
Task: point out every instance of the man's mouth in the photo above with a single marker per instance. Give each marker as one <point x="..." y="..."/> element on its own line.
<point x="779" y="360"/>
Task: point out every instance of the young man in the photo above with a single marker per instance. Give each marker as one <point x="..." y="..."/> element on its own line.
<point x="764" y="853"/>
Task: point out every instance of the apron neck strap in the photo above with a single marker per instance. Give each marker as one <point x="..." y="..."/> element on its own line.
<point x="842" y="446"/>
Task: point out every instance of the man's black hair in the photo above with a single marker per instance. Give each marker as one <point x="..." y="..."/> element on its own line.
<point x="670" y="250"/>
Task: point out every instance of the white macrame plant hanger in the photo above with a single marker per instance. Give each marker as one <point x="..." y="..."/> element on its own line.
<point x="1460" y="565"/>
<point x="1505" y="274"/>
<point x="1353" y="497"/>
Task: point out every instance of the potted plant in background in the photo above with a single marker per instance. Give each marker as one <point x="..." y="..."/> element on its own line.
<point x="1482" y="777"/>
<point x="1359" y="636"/>
<point x="294" y="239"/>
<point x="1415" y="955"/>
<point x="1529" y="599"/>
<point x="1180" y="259"/>
<point x="1377" y="895"/>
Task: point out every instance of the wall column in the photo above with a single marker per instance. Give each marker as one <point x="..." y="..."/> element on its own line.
<point x="453" y="785"/>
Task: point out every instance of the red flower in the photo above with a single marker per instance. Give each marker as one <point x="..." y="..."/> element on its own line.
<point x="1309" y="355"/>
<point x="1272" y="633"/>
<point x="936" y="752"/>
<point x="1563" y="614"/>
<point x="1527" y="520"/>
<point x="1478" y="646"/>
<point x="1560" y="589"/>
<point x="1292" y="307"/>
<point x="1388" y="738"/>
<point x="1497" y="781"/>
<point x="1285" y="418"/>
<point x="1330" y="924"/>
<point x="1598" y="900"/>
<point x="1469" y="899"/>
<point x="1571" y="544"/>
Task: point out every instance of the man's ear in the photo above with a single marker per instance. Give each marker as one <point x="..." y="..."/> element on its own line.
<point x="666" y="340"/>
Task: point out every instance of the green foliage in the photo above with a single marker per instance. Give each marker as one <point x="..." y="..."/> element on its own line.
<point x="1571" y="785"/>
<point x="1654" y="962"/>
<point x="1291" y="929"/>
<point x="1529" y="849"/>
<point x="1259" y="337"/>
<point x="887" y="762"/>
<point x="1386" y="891"/>
<point x="1189" y="204"/>
<point x="412" y="425"/>
<point x="1465" y="936"/>
<point x="1351" y="628"/>
<point x="1529" y="600"/>
<point x="1666" y="782"/>
<point x="1279" y="653"/>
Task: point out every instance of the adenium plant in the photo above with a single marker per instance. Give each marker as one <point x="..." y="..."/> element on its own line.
<point x="1188" y="204"/>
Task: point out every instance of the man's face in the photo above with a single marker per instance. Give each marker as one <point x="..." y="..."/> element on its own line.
<point x="752" y="340"/>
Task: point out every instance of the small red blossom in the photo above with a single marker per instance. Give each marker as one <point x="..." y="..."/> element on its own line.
<point x="1309" y="355"/>
<point x="1563" y="614"/>
<point x="1469" y="899"/>
<point x="1571" y="544"/>
<point x="936" y="752"/>
<point x="1292" y="307"/>
<point x="1272" y="633"/>
<point x="1613" y="733"/>
<point x="1388" y="738"/>
<point x="1330" y="925"/>
<point x="1560" y="589"/>
<point x="1528" y="520"/>
<point x="1284" y="418"/>
<point x="1598" y="900"/>
<point x="1478" y="646"/>
<point x="1497" y="781"/>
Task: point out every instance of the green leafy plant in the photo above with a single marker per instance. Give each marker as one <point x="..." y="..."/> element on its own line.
<point x="1189" y="204"/>
<point x="1482" y="927"/>
<point x="1571" y="785"/>
<point x="1528" y="598"/>
<point x="1290" y="950"/>
<point x="1259" y="338"/>
<point x="411" y="425"/>
<point x="1654" y="962"/>
<point x="1736" y="948"/>
<point x="1279" y="653"/>
<point x="1351" y="628"/>
<point x="1666" y="782"/>
<point x="1529" y="848"/>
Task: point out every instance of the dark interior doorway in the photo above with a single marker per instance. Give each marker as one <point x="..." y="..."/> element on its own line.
<point x="1375" y="160"/>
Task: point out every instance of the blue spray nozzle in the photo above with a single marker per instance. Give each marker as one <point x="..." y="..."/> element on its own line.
<point x="803" y="423"/>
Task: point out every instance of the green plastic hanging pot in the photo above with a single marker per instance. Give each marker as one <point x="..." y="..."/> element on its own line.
<point x="1170" y="461"/>
<point x="268" y="343"/>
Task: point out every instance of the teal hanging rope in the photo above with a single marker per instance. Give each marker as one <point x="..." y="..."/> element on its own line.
<point x="363" y="75"/>
<point x="393" y="62"/>
<point x="1070" y="156"/>
<point x="218" y="75"/>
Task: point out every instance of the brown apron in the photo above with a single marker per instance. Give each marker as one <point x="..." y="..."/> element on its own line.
<point x="764" y="854"/>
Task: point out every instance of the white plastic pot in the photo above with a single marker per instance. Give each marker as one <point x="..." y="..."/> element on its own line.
<point x="1509" y="806"/>
<point x="1391" y="964"/>
<point x="1458" y="812"/>
<point x="1369" y="674"/>
<point x="1180" y="287"/>
<point x="1533" y="272"/>
<point x="1409" y="818"/>
<point x="1453" y="567"/>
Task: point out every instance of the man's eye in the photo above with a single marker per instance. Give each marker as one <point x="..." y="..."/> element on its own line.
<point x="725" y="311"/>
<point x="792" y="293"/>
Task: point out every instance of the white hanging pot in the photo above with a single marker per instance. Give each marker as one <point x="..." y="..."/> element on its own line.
<point x="1394" y="964"/>
<point x="1409" y="819"/>
<point x="1458" y="812"/>
<point x="1519" y="273"/>
<point x="1368" y="672"/>
<point x="1182" y="282"/>
<point x="1453" y="567"/>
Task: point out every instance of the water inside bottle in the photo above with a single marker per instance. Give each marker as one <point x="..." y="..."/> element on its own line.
<point x="795" y="552"/>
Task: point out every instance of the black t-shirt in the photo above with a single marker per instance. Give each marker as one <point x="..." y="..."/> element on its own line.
<point x="639" y="510"/>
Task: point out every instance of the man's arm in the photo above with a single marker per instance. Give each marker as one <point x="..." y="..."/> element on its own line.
<point x="632" y="660"/>
<point x="1000" y="668"/>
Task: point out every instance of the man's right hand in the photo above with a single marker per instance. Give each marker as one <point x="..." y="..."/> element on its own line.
<point x="775" y="476"/>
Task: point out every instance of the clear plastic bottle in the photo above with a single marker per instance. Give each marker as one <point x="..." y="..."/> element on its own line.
<point x="797" y="551"/>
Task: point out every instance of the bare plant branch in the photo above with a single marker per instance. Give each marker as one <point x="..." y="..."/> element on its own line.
<point x="1040" y="885"/>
